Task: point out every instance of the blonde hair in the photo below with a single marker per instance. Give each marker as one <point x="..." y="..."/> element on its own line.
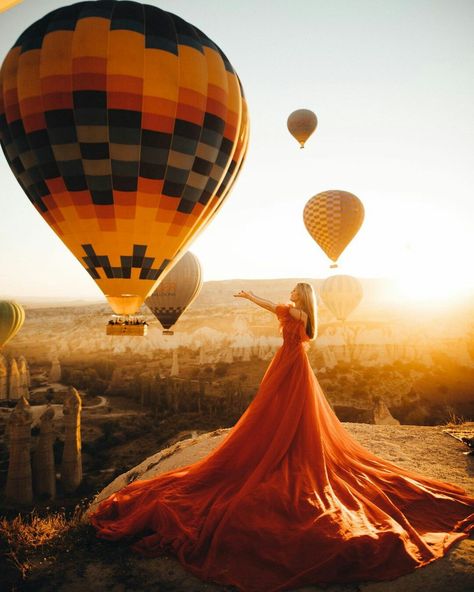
<point x="308" y="304"/>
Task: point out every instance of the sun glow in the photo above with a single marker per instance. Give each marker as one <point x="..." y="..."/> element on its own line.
<point x="426" y="287"/>
<point x="430" y="267"/>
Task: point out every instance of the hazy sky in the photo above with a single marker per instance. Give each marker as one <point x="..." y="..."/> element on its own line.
<point x="392" y="84"/>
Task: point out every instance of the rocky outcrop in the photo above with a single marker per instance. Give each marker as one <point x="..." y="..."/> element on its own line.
<point x="71" y="466"/>
<point x="381" y="414"/>
<point x="44" y="474"/>
<point x="14" y="381"/>
<point x="19" y="482"/>
<point x="3" y="378"/>
<point x="175" y="364"/>
<point x="24" y="377"/>
<point x="398" y="444"/>
<point x="55" y="371"/>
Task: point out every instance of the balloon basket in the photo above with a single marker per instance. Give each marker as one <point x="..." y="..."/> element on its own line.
<point x="127" y="326"/>
<point x="168" y="332"/>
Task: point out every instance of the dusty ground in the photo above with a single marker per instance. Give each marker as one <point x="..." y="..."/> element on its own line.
<point x="84" y="563"/>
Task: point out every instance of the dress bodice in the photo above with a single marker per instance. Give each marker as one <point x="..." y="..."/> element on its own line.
<point x="293" y="330"/>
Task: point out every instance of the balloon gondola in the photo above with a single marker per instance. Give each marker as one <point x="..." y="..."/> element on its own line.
<point x="126" y="127"/>
<point x="127" y="325"/>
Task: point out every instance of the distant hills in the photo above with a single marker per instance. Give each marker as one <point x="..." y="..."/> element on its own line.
<point x="220" y="292"/>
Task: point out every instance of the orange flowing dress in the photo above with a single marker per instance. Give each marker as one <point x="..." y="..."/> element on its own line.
<point x="289" y="498"/>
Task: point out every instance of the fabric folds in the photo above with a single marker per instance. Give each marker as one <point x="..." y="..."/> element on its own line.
<point x="289" y="498"/>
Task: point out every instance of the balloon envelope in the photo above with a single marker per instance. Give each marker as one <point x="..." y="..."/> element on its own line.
<point x="12" y="317"/>
<point x="301" y="124"/>
<point x="177" y="291"/>
<point x="341" y="294"/>
<point x="7" y="4"/>
<point x="126" y="127"/>
<point x="333" y="218"/>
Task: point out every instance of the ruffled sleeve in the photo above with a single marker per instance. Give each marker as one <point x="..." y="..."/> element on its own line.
<point x="282" y="311"/>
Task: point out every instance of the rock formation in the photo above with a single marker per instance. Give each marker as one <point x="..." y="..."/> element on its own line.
<point x="3" y="378"/>
<point x="71" y="466"/>
<point x="202" y="355"/>
<point x="14" y="381"/>
<point x="228" y="356"/>
<point x="382" y="415"/>
<point x="175" y="364"/>
<point x="24" y="377"/>
<point x="44" y="474"/>
<point x="55" y="371"/>
<point x="19" y="485"/>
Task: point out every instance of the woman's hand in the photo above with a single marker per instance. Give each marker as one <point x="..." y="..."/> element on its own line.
<point x="267" y="304"/>
<point x="245" y="294"/>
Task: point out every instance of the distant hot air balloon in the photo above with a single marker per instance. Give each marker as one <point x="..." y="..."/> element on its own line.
<point x="333" y="218"/>
<point x="301" y="124"/>
<point x="12" y="317"/>
<point x="126" y="127"/>
<point x="176" y="292"/>
<point x="341" y="294"/>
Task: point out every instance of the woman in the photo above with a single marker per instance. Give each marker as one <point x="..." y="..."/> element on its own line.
<point x="289" y="498"/>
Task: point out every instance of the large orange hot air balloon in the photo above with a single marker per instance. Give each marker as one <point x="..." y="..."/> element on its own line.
<point x="301" y="124"/>
<point x="126" y="127"/>
<point x="12" y="317"/>
<point x="176" y="292"/>
<point x="333" y="218"/>
<point x="7" y="4"/>
<point x="341" y="294"/>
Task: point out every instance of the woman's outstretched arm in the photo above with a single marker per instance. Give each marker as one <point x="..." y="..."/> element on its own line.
<point x="268" y="304"/>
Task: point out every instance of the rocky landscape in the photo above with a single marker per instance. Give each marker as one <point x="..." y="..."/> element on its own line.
<point x="76" y="560"/>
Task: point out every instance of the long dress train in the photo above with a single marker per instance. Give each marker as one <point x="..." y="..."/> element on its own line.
<point x="289" y="498"/>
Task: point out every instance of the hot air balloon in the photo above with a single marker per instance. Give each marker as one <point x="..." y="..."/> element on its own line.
<point x="126" y="127"/>
<point x="301" y="124"/>
<point x="12" y="317"/>
<point x="333" y="218"/>
<point x="176" y="292"/>
<point x="7" y="4"/>
<point x="341" y="294"/>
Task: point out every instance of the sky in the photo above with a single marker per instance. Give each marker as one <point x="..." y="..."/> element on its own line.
<point x="391" y="83"/>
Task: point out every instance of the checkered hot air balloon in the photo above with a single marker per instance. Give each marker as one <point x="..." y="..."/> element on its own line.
<point x="12" y="317"/>
<point x="333" y="218"/>
<point x="341" y="294"/>
<point x="126" y="127"/>
<point x="176" y="292"/>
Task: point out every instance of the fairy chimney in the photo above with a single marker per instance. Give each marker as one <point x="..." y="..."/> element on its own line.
<point x="19" y="485"/>
<point x="55" y="371"/>
<point x="228" y="356"/>
<point x="14" y="381"/>
<point x="24" y="377"/>
<point x="382" y="415"/>
<point x="175" y="364"/>
<point x="71" y="466"/>
<point x="3" y="378"/>
<point x="44" y="474"/>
